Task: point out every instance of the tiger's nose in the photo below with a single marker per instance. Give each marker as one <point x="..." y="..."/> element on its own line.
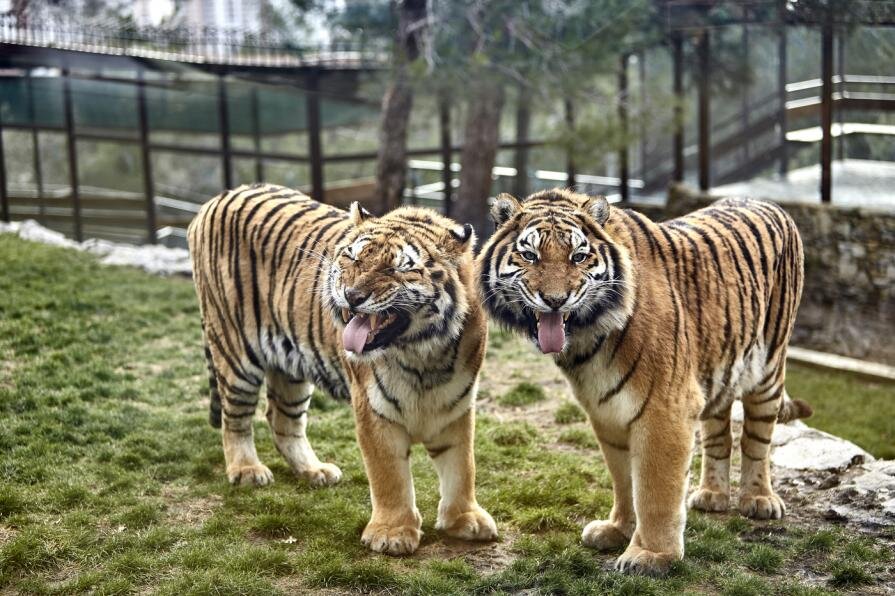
<point x="554" y="302"/>
<point x="354" y="297"/>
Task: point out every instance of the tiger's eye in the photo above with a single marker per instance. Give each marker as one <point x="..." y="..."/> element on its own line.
<point x="529" y="256"/>
<point x="579" y="257"/>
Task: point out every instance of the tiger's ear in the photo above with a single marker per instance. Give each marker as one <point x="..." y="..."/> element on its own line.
<point x="358" y="214"/>
<point x="504" y="207"/>
<point x="598" y="208"/>
<point x="459" y="238"/>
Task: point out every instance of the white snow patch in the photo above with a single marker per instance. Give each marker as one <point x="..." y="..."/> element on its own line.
<point x="156" y="259"/>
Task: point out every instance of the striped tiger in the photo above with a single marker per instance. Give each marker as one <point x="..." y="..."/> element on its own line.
<point x="656" y="327"/>
<point x="377" y="310"/>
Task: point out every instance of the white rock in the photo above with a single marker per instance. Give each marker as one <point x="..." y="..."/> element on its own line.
<point x="811" y="449"/>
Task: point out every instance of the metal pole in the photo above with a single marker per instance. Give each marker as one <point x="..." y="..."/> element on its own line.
<point x="744" y="107"/>
<point x="444" y="123"/>
<point x="224" y="126"/>
<point x="256" y="136"/>
<point x="148" y="187"/>
<point x="72" y="152"/>
<point x="826" y="111"/>
<point x="4" y="199"/>
<point x="570" y="158"/>
<point x="677" y="44"/>
<point x="623" y="123"/>
<point x="523" y="119"/>
<point x="840" y="111"/>
<point x="35" y="147"/>
<point x="782" y="124"/>
<point x="641" y="84"/>
<point x="315" y="151"/>
<point x="704" y="50"/>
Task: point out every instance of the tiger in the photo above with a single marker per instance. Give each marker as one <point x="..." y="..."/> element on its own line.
<point x="658" y="327"/>
<point x="381" y="311"/>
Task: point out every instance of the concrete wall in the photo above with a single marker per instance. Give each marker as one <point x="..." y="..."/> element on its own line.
<point x="848" y="305"/>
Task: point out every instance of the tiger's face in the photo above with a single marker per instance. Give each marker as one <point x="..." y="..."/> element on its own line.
<point x="551" y="269"/>
<point x="394" y="283"/>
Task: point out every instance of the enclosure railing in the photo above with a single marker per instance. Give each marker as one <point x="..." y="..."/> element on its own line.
<point x="190" y="44"/>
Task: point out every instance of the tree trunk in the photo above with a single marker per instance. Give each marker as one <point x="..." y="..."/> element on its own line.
<point x="480" y="143"/>
<point x="391" y="167"/>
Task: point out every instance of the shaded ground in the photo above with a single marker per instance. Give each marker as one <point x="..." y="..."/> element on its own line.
<point x="112" y="481"/>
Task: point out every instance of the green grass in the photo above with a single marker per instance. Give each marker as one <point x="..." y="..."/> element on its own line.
<point x="567" y="413"/>
<point x="523" y="394"/>
<point x="847" y="406"/>
<point x="112" y="481"/>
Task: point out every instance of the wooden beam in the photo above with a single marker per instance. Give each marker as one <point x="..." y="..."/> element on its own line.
<point x="256" y="135"/>
<point x="782" y="67"/>
<point x="704" y="53"/>
<point x="146" y="155"/>
<point x="623" y="173"/>
<point x="72" y="151"/>
<point x="826" y="112"/>
<point x="840" y="111"/>
<point x="315" y="148"/>
<point x="4" y="198"/>
<point x="224" y="127"/>
<point x="35" y="143"/>
<point x="677" y="57"/>
<point x="444" y="127"/>
<point x="570" y="158"/>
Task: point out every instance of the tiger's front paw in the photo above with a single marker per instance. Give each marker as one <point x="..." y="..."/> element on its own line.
<point x="391" y="540"/>
<point x="762" y="506"/>
<point x="475" y="524"/>
<point x="322" y="475"/>
<point x="705" y="499"/>
<point x="250" y="475"/>
<point x="639" y="561"/>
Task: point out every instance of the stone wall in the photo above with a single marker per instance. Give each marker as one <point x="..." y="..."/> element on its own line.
<point x="848" y="305"/>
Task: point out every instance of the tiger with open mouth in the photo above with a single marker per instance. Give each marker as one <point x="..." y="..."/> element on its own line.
<point x="656" y="327"/>
<point x="378" y="310"/>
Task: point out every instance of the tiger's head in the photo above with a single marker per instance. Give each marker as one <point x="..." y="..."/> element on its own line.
<point x="552" y="269"/>
<point x="395" y="281"/>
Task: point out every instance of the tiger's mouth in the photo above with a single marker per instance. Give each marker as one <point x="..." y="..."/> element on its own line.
<point x="365" y="332"/>
<point x="551" y="331"/>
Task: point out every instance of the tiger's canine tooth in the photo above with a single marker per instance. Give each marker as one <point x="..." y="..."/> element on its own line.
<point x="346" y="315"/>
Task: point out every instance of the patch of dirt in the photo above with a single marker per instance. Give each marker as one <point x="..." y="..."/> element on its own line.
<point x="188" y="511"/>
<point x="484" y="557"/>
<point x="7" y="534"/>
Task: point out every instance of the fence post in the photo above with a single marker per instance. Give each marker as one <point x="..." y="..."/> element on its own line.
<point x="570" y="158"/>
<point x="447" y="176"/>
<point x="4" y="198"/>
<point x="781" y="89"/>
<point x="35" y="148"/>
<point x="148" y="186"/>
<point x="72" y="151"/>
<point x="704" y="49"/>
<point x="677" y="44"/>
<point x="224" y="125"/>
<point x="523" y="119"/>
<point x="315" y="149"/>
<point x="624" y="188"/>
<point x="826" y="109"/>
<point x="256" y="136"/>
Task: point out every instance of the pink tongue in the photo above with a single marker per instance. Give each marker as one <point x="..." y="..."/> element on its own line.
<point x="551" y="334"/>
<point x="354" y="338"/>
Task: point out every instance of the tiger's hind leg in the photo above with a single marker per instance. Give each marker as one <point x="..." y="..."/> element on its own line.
<point x="287" y="413"/>
<point x="238" y="412"/>
<point x="757" y="498"/>
<point x="713" y="493"/>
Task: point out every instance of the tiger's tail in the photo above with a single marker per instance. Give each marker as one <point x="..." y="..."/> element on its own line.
<point x="793" y="409"/>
